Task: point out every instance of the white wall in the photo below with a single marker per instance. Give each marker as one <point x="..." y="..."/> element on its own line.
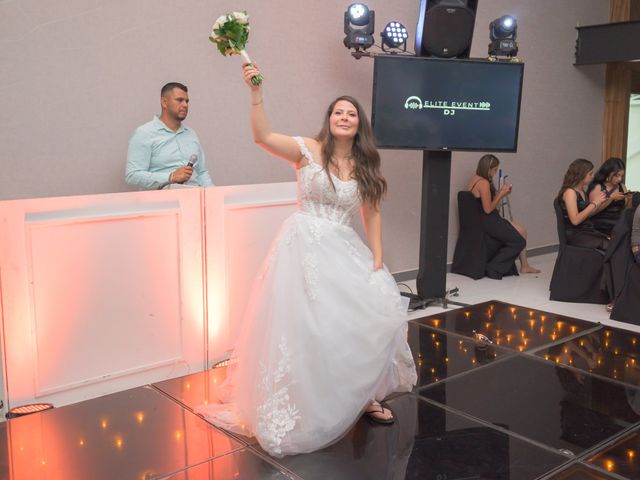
<point x="78" y="76"/>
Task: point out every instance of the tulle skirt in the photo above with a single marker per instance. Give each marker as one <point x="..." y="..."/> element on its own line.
<point x="323" y="336"/>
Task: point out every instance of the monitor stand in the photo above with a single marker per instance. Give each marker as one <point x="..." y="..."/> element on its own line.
<point x="434" y="228"/>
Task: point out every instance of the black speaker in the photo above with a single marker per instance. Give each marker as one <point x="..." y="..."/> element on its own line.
<point x="445" y="28"/>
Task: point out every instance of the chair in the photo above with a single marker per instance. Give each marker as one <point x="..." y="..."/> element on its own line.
<point x="473" y="248"/>
<point x="618" y="257"/>
<point x="624" y="273"/>
<point x="577" y="273"/>
<point x="625" y="308"/>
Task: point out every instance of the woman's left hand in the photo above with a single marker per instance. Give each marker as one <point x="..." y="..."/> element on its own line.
<point x="251" y="70"/>
<point x="617" y="196"/>
<point x="377" y="265"/>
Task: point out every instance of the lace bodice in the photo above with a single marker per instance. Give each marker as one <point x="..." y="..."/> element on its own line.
<point x="316" y="195"/>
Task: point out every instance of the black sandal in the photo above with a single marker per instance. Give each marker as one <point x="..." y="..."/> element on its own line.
<point x="371" y="414"/>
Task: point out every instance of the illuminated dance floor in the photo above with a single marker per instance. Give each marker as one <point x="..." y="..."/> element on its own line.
<point x="542" y="396"/>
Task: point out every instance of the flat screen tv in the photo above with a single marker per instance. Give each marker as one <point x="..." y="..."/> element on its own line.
<point x="438" y="104"/>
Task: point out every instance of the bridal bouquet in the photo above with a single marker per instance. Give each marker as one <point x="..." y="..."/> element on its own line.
<point x="230" y="34"/>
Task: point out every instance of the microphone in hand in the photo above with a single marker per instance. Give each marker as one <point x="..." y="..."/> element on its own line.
<point x="182" y="174"/>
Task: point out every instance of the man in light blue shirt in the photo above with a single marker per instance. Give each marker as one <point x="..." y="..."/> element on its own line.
<point x="164" y="151"/>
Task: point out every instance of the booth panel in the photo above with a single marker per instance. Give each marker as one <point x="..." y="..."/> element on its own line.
<point x="241" y="224"/>
<point x="101" y="293"/>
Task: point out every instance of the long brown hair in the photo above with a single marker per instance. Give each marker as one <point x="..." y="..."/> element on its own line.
<point x="485" y="164"/>
<point x="366" y="160"/>
<point x="575" y="173"/>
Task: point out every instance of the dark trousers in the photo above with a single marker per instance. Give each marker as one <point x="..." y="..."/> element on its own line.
<point x="510" y="242"/>
<point x="587" y="239"/>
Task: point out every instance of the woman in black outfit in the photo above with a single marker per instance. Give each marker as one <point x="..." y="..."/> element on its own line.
<point x="608" y="179"/>
<point x="511" y="235"/>
<point x="578" y="209"/>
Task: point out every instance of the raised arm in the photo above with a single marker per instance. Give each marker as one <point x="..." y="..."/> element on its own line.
<point x="372" y="221"/>
<point x="277" y="144"/>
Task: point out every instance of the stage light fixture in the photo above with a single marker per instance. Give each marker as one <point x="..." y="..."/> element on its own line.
<point x="394" y="35"/>
<point x="502" y="33"/>
<point x="358" y="14"/>
<point x="359" y="23"/>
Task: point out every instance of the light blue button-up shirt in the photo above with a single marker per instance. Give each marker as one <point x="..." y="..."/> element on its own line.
<point x="155" y="151"/>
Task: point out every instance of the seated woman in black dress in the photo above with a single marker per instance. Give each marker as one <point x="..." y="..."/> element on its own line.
<point x="511" y="235"/>
<point x="608" y="179"/>
<point x="578" y="209"/>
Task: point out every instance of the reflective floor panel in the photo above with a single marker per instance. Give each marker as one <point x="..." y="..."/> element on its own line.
<point x="198" y="389"/>
<point x="239" y="465"/>
<point x="548" y="387"/>
<point x="621" y="458"/>
<point x="195" y="389"/>
<point x="610" y="352"/>
<point x="440" y="355"/>
<point x="135" y="434"/>
<point x="512" y="326"/>
<point x="579" y="471"/>
<point x="426" y="443"/>
<point x="541" y="401"/>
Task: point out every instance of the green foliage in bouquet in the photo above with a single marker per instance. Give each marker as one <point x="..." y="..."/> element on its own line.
<point x="230" y="35"/>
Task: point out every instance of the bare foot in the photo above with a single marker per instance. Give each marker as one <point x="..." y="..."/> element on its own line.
<point x="529" y="269"/>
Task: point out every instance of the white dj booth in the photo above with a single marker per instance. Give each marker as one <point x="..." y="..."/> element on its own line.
<point x="101" y="293"/>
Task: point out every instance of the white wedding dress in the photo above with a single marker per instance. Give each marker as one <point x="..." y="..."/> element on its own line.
<point x="323" y="334"/>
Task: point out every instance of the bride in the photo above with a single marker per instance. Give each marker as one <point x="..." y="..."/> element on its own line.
<point x="324" y="335"/>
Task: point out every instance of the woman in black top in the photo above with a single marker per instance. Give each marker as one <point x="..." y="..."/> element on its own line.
<point x="608" y="179"/>
<point x="578" y="209"/>
<point x="510" y="235"/>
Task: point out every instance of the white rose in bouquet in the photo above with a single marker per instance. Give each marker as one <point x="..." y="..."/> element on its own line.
<point x="241" y="17"/>
<point x="218" y="23"/>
